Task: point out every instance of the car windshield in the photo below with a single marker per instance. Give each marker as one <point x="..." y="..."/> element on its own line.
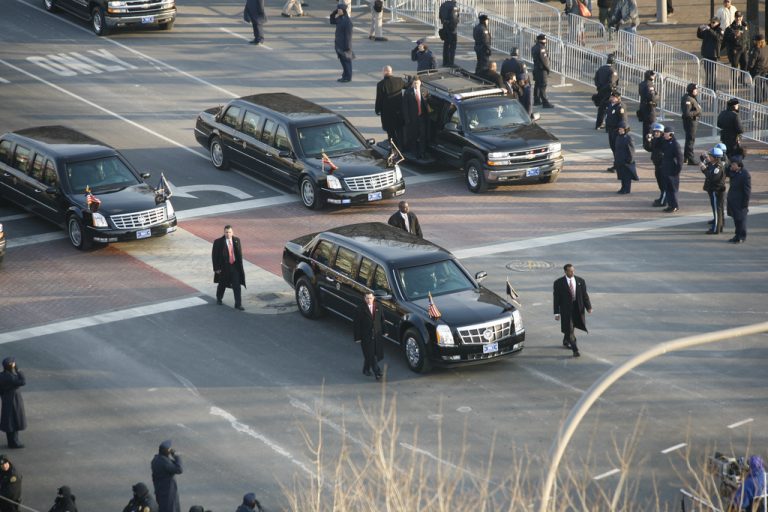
<point x="508" y="112"/>
<point x="100" y="175"/>
<point x="330" y="139"/>
<point x="435" y="278"/>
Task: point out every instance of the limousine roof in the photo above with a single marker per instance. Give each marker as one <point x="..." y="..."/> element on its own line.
<point x="63" y="141"/>
<point x="289" y="106"/>
<point x="385" y="243"/>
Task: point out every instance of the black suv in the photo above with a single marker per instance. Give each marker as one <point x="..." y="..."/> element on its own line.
<point x="61" y="175"/>
<point x="489" y="135"/>
<point x="332" y="271"/>
<point x="299" y="144"/>
<point x="106" y="15"/>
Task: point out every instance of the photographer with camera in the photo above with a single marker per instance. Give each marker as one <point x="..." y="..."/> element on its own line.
<point x="752" y="488"/>
<point x="737" y="42"/>
<point x="165" y="466"/>
<point x="714" y="186"/>
<point x="711" y="39"/>
<point x="423" y="56"/>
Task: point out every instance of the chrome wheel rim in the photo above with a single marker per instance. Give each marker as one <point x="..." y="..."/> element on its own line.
<point x="304" y="299"/>
<point x="75" y="233"/>
<point x="97" y="22"/>
<point x="472" y="177"/>
<point x="217" y="154"/>
<point x="307" y="193"/>
<point x="412" y="351"/>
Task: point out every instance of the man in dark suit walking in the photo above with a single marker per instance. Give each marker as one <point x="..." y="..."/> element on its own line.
<point x="389" y="104"/>
<point x="255" y="13"/>
<point x="406" y="220"/>
<point x="570" y="299"/>
<point x="367" y="331"/>
<point x="227" y="258"/>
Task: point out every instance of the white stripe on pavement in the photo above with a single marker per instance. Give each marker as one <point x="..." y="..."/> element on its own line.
<point x="9" y="218"/>
<point x="740" y="423"/>
<point x="673" y="448"/>
<point x="35" y="239"/>
<point x="607" y="474"/>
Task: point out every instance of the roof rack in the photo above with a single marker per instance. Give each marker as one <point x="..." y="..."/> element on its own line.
<point x="458" y="83"/>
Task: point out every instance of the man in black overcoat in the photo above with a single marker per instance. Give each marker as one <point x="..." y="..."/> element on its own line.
<point x="730" y="128"/>
<point x="255" y="13"/>
<point x="12" y="419"/>
<point x="142" y="501"/>
<point x="389" y="104"/>
<point x="570" y="299"/>
<point x="342" y="42"/>
<point x="367" y="328"/>
<point x="406" y="220"/>
<point x="416" y="118"/>
<point x="165" y="466"/>
<point x="739" y="193"/>
<point x="449" y="17"/>
<point x="10" y="486"/>
<point x="228" y="272"/>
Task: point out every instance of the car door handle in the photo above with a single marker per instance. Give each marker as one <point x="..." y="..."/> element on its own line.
<point x="6" y="174"/>
<point x="37" y="191"/>
<point x="329" y="279"/>
<point x="235" y="139"/>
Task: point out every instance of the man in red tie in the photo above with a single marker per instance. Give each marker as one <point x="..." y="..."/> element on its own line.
<point x="570" y="299"/>
<point x="227" y="258"/>
<point x="367" y="331"/>
<point x="416" y="118"/>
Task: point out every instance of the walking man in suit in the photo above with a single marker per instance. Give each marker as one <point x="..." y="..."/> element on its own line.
<point x="570" y="299"/>
<point x="367" y="331"/>
<point x="389" y="104"/>
<point x="406" y="220"/>
<point x="227" y="258"/>
<point x="257" y="15"/>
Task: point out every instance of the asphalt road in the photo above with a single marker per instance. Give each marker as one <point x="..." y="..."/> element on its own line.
<point x="123" y="347"/>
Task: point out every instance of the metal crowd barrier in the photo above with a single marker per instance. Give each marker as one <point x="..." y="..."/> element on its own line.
<point x="671" y="90"/>
<point x="580" y="64"/>
<point x="753" y="117"/>
<point x="672" y="61"/>
<point x="726" y="80"/>
<point x="584" y="31"/>
<point x="633" y="48"/>
<point x="630" y="76"/>
<point x="761" y="89"/>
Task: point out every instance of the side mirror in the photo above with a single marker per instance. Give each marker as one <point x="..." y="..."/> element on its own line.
<point x="452" y="127"/>
<point x="382" y="295"/>
<point x="285" y="153"/>
<point x="146" y="175"/>
<point x="535" y="116"/>
<point x="371" y="141"/>
<point x="481" y="275"/>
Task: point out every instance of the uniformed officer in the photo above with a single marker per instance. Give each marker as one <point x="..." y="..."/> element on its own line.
<point x="142" y="501"/>
<point x="739" y="194"/>
<point x="624" y="158"/>
<point x="656" y="147"/>
<point x="691" y="112"/>
<point x="649" y="98"/>
<point x="714" y="186"/>
<point x="671" y="166"/>
<point x="513" y="64"/>
<point x="482" y="37"/>
<point x="613" y="117"/>
<point x="10" y="486"/>
<point x="540" y="72"/>
<point x="606" y="81"/>
<point x="449" y="17"/>
<point x="730" y="128"/>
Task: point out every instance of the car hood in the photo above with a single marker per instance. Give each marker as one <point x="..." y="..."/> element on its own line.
<point x="136" y="198"/>
<point x="468" y="307"/>
<point x="359" y="163"/>
<point x="528" y="136"/>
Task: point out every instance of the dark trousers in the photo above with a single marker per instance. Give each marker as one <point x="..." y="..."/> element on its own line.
<point x="672" y="186"/>
<point x="710" y="80"/>
<point x="13" y="438"/>
<point x="603" y="104"/>
<point x="416" y="134"/>
<point x="612" y="134"/>
<point x="690" y="126"/>
<point x="569" y="338"/>
<point x="741" y="226"/>
<point x="650" y="118"/>
<point x="661" y="183"/>
<point x="258" y="33"/>
<point x="236" y="282"/>
<point x="346" y="66"/>
<point x="483" y="61"/>
<point x="738" y="59"/>
<point x="716" y="203"/>
<point x="626" y="182"/>
<point x="369" y="355"/>
<point x="449" y="48"/>
<point x="540" y="88"/>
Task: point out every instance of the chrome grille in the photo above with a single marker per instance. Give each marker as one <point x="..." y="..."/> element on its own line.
<point x="139" y="220"/>
<point x="371" y="182"/>
<point x="476" y="334"/>
<point x="145" y="6"/>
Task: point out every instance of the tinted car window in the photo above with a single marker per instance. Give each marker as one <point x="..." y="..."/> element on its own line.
<point x="380" y="280"/>
<point x="269" y="132"/>
<point x="491" y="116"/>
<point x="101" y="175"/>
<point x="329" y="138"/>
<point x="345" y="261"/>
<point x="37" y="168"/>
<point x="231" y="117"/>
<point x="322" y="252"/>
<point x="281" y="140"/>
<point x="366" y="269"/>
<point x="21" y="158"/>
<point x="435" y="278"/>
<point x="5" y="150"/>
<point x="50" y="177"/>
<point x="252" y="124"/>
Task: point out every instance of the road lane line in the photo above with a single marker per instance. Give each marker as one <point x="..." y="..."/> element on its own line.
<point x="243" y="37"/>
<point x="35" y="239"/>
<point x="100" y="319"/>
<point x="607" y="474"/>
<point x="9" y="218"/>
<point x="673" y="448"/>
<point x="740" y="423"/>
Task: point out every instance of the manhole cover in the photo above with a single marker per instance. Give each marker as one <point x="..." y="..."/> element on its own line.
<point x="528" y="265"/>
<point x="267" y="296"/>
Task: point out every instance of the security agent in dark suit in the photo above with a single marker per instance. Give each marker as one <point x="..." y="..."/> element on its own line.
<point x="449" y="17"/>
<point x="389" y="104"/>
<point x="615" y="115"/>
<point x="406" y="220"/>
<point x="739" y="193"/>
<point x="671" y="166"/>
<point x="227" y="259"/>
<point x="367" y="328"/>
<point x="570" y="299"/>
<point x="606" y="81"/>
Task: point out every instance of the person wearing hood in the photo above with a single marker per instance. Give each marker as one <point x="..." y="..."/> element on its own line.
<point x="649" y="98"/>
<point x="714" y="186"/>
<point x="257" y="15"/>
<point x="423" y="56"/>
<point x="250" y="503"/>
<point x="730" y="128"/>
<point x="12" y="416"/>
<point x="691" y="112"/>
<point x="342" y="42"/>
<point x="624" y="158"/>
<point x="482" y="36"/>
<point x="752" y="486"/>
<point x="141" y="501"/>
<point x="165" y="466"/>
<point x="65" y="501"/>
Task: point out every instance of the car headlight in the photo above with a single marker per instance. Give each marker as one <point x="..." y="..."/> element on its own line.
<point x="169" y="211"/>
<point x="117" y="4"/>
<point x="496" y="156"/>
<point x="99" y="221"/>
<point x="518" y="319"/>
<point x="555" y="148"/>
<point x="398" y="173"/>
<point x="333" y="182"/>
<point x="444" y="336"/>
<point x="499" y="159"/>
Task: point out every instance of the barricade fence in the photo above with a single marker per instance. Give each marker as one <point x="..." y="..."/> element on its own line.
<point x="670" y="61"/>
<point x="726" y="80"/>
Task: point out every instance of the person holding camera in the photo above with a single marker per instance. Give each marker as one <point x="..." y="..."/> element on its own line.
<point x="736" y="40"/>
<point x="342" y="42"/>
<point x="165" y="466"/>
<point x="449" y="17"/>
<point x="606" y="81"/>
<point x="752" y="486"/>
<point x="12" y="418"/>
<point x="711" y="39"/>
<point x="249" y="504"/>
<point x="714" y="186"/>
<point x="624" y="158"/>
<point x="423" y="56"/>
<point x="482" y="36"/>
<point x="690" y="111"/>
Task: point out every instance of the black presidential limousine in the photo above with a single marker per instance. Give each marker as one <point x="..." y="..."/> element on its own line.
<point x="333" y="269"/>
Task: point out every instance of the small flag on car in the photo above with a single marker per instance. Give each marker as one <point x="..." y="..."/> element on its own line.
<point x="91" y="201"/>
<point x="331" y="166"/>
<point x="395" y="156"/>
<point x="432" y="310"/>
<point x="163" y="190"/>
<point x="512" y="293"/>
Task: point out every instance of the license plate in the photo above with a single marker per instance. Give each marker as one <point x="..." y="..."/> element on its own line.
<point x="490" y="348"/>
<point x="144" y="233"/>
<point x="147" y="19"/>
<point x="532" y="172"/>
<point x="374" y="196"/>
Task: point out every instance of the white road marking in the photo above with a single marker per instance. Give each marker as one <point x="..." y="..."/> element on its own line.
<point x="9" y="218"/>
<point x="184" y="382"/>
<point x="218" y="209"/>
<point x="185" y="190"/>
<point x="673" y="448"/>
<point x="100" y="319"/>
<point x="740" y="423"/>
<point x="35" y="239"/>
<point x="607" y="474"/>
<point x="245" y="38"/>
<point x="4" y="81"/>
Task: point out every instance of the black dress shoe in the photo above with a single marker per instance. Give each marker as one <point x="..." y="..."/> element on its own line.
<point x="240" y="308"/>
<point x="601" y="127"/>
<point x="711" y="221"/>
<point x="610" y="169"/>
<point x="15" y="446"/>
<point x="736" y="240"/>
<point x="285" y="15"/>
<point x="343" y="80"/>
<point x="576" y="353"/>
<point x="367" y="372"/>
<point x="383" y="39"/>
<point x="670" y="209"/>
<point x="567" y="345"/>
<point x="548" y="105"/>
<point x="377" y="375"/>
<point x="218" y="302"/>
<point x="657" y="203"/>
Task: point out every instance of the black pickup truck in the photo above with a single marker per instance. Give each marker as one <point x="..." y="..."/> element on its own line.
<point x="467" y="323"/>
<point x="106" y="15"/>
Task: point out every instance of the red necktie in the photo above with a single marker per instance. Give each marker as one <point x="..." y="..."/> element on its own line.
<point x="573" y="289"/>
<point x="371" y="309"/>
<point x="418" y="101"/>
<point x="231" y="253"/>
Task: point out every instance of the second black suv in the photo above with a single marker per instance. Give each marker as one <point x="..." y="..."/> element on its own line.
<point x="106" y="15"/>
<point x="488" y="134"/>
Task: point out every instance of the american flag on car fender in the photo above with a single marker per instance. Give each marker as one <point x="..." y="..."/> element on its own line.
<point x="91" y="201"/>
<point x="331" y="166"/>
<point x="432" y="310"/>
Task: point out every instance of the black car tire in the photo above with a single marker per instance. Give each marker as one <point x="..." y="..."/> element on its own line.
<point x="49" y="5"/>
<point x="218" y="157"/>
<point x="309" y="193"/>
<point x="99" y="22"/>
<point x="306" y="299"/>
<point x="168" y="25"/>
<point x="415" y="351"/>
<point x="475" y="176"/>
<point x="77" y="234"/>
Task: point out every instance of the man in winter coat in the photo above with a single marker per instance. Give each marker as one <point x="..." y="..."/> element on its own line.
<point x="739" y="194"/>
<point x="606" y="81"/>
<point x="65" y="501"/>
<point x="423" y="56"/>
<point x="227" y="260"/>
<point x="389" y="104"/>
<point x="711" y="39"/>
<point x="730" y="128"/>
<point x="614" y="116"/>
<point x="691" y="112"/>
<point x="649" y="98"/>
<point x="367" y="328"/>
<point x="736" y="38"/>
<point x="449" y="17"/>
<point x="255" y="13"/>
<point x="540" y="71"/>
<point x="714" y="186"/>
<point x="570" y="299"/>
<point x="342" y="42"/>
<point x="482" y="36"/>
<point x="416" y="118"/>
<point x="671" y="166"/>
<point x="513" y="64"/>
<point x="165" y="466"/>
<point x="141" y="501"/>
<point x="10" y="486"/>
<point x="250" y="503"/>
<point x="624" y="159"/>
<point x="12" y="419"/>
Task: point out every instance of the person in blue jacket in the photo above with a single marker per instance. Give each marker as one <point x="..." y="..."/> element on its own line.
<point x="343" y="41"/>
<point x="752" y="486"/>
<point x="624" y="158"/>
